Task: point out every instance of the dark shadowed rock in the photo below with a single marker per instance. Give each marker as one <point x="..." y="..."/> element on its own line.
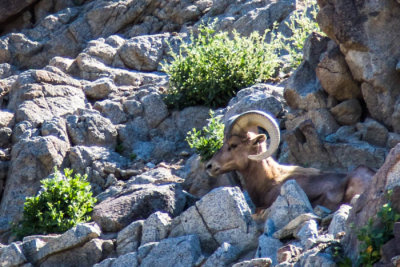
<point x="12" y="7"/>
<point x="369" y="203"/>
<point x="87" y="255"/>
<point x="348" y="112"/>
<point x="310" y="149"/>
<point x="373" y="132"/>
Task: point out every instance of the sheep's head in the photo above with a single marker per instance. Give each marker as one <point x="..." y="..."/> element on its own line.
<point x="243" y="143"/>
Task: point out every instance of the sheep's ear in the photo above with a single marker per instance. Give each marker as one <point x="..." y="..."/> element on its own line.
<point x="258" y="139"/>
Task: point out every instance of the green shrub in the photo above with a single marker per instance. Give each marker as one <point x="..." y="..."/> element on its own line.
<point x="209" y="140"/>
<point x="373" y="237"/>
<point x="63" y="202"/>
<point x="212" y="67"/>
<point x="301" y="25"/>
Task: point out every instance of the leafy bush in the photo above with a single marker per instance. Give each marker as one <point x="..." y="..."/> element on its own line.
<point x="63" y="202"/>
<point x="373" y="237"/>
<point x="301" y="26"/>
<point x="212" y="67"/>
<point x="209" y="140"/>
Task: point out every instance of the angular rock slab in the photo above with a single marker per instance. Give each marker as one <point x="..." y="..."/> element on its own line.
<point x="171" y="252"/>
<point x="223" y="256"/>
<point x="293" y="225"/>
<point x="128" y="239"/>
<point x="83" y="256"/>
<point x="11" y="255"/>
<point x="220" y="216"/>
<point x="74" y="237"/>
<point x="268" y="248"/>
<point x="291" y="203"/>
<point x="138" y="202"/>
<point x="156" y="227"/>
<point x="338" y="223"/>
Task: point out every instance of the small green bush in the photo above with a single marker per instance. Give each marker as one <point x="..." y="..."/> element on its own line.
<point x="209" y="140"/>
<point x="373" y="237"/>
<point x="301" y="25"/>
<point x="63" y="202"/>
<point x="212" y="67"/>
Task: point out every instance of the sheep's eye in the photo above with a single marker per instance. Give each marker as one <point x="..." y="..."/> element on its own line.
<point x="233" y="146"/>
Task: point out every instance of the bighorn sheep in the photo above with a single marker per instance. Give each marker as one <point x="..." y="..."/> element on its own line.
<point x="245" y="150"/>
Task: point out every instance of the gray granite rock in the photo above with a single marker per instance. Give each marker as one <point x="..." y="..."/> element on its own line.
<point x="74" y="237"/>
<point x="291" y="203"/>
<point x="307" y="233"/>
<point x="89" y="128"/>
<point x="128" y="239"/>
<point x="260" y="262"/>
<point x="138" y="202"/>
<point x="112" y="110"/>
<point x="338" y="223"/>
<point x="11" y="255"/>
<point x="100" y="88"/>
<point x="290" y="229"/>
<point x="155" y="110"/>
<point x="220" y="216"/>
<point x="171" y="252"/>
<point x="156" y="227"/>
<point x="84" y="256"/>
<point x="223" y="256"/>
<point x="268" y="248"/>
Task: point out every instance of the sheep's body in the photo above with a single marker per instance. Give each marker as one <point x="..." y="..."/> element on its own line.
<point x="263" y="178"/>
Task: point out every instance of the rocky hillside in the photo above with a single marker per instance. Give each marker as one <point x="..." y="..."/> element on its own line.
<point x="81" y="87"/>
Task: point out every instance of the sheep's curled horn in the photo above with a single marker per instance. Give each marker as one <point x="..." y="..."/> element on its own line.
<point x="241" y="122"/>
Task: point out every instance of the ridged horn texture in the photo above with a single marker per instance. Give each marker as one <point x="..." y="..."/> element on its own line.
<point x="255" y="118"/>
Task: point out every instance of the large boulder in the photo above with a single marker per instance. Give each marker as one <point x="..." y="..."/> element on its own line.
<point x="220" y="216"/>
<point x="39" y="95"/>
<point x="33" y="160"/>
<point x="367" y="46"/>
<point x="86" y="255"/>
<point x="138" y="202"/>
<point x="74" y="237"/>
<point x="179" y="251"/>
